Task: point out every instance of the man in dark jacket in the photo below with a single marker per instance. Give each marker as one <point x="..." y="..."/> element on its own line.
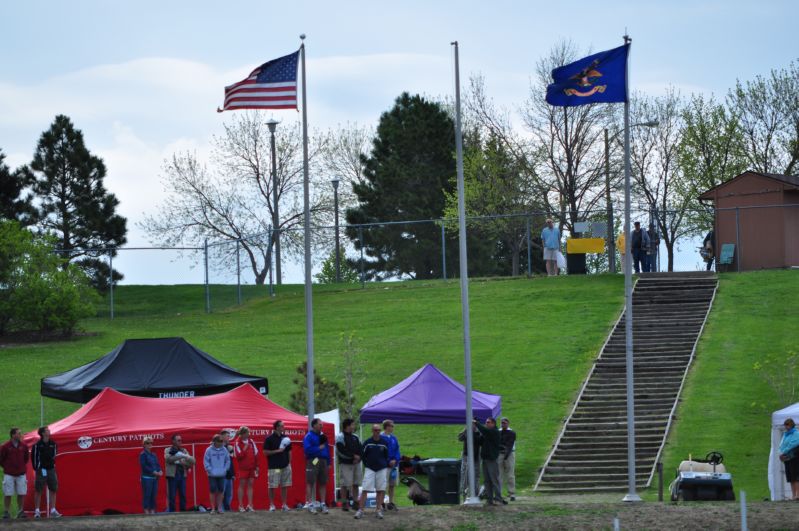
<point x="277" y="448"/>
<point x="639" y="245"/>
<point x="14" y="460"/>
<point x="43" y="461"/>
<point x="348" y="453"/>
<point x="489" y="452"/>
<point x="507" y="458"/>
<point x="375" y="478"/>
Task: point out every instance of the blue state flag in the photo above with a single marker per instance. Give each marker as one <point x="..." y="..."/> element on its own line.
<point x="598" y="78"/>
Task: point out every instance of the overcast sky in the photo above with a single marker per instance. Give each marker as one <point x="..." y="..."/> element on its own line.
<point x="142" y="79"/>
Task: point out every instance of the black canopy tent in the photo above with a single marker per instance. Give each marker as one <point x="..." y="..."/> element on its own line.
<point x="161" y="368"/>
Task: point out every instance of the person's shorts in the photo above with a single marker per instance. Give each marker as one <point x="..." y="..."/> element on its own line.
<point x="375" y="481"/>
<point x="216" y="484"/>
<point x="246" y="474"/>
<point x="280" y="477"/>
<point x="51" y="479"/>
<point x="15" y="485"/>
<point x="792" y="470"/>
<point x="349" y="475"/>
<point x="550" y="254"/>
<point x="393" y="476"/>
<point x="316" y="473"/>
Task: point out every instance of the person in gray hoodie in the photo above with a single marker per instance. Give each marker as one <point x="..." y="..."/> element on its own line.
<point x="216" y="462"/>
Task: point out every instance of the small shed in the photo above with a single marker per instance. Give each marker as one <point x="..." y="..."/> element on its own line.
<point x="759" y="214"/>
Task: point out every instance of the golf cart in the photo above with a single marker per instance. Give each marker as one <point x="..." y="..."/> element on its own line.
<point x="702" y="479"/>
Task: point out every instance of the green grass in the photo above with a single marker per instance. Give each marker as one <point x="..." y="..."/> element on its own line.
<point x="726" y="405"/>
<point x="532" y="342"/>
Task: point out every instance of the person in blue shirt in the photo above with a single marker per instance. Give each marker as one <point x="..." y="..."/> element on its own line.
<point x="789" y="455"/>
<point x="150" y="472"/>
<point x="394" y="457"/>
<point x="550" y="239"/>
<point x="317" y="459"/>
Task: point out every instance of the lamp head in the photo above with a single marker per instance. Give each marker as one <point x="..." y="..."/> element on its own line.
<point x="335" y="182"/>
<point x="272" y="124"/>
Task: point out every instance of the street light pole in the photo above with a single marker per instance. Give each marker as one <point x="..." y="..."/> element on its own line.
<point x="338" y="251"/>
<point x="272" y="125"/>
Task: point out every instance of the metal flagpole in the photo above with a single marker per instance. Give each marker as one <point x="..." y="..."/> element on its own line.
<point x="467" y="344"/>
<point x="628" y="300"/>
<point x="307" y="238"/>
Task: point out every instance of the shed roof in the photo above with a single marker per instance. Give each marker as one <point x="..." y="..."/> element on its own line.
<point x="792" y="180"/>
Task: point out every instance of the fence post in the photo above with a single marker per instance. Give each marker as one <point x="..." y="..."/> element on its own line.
<point x="443" y="251"/>
<point x="659" y="468"/>
<point x="111" y="281"/>
<point x="737" y="243"/>
<point x="360" y="240"/>
<point x="207" y="288"/>
<point x="529" y="251"/>
<point x="238" y="272"/>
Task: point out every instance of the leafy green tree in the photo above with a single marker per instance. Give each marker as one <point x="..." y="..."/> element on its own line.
<point x="73" y="203"/>
<point x="347" y="273"/>
<point x="710" y="152"/>
<point x="39" y="290"/>
<point x="327" y="394"/>
<point x="406" y="177"/>
<point x="14" y="203"/>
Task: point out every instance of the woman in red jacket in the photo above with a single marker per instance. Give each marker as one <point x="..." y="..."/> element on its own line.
<point x="246" y="453"/>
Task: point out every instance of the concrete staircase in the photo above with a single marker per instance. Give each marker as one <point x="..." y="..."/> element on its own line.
<point x="590" y="455"/>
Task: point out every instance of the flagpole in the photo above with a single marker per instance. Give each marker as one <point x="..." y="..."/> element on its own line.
<point x="467" y="342"/>
<point x="307" y="238"/>
<point x="631" y="496"/>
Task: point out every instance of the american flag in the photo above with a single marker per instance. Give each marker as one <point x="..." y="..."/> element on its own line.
<point x="273" y="85"/>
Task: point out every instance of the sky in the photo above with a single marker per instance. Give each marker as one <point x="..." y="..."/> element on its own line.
<point x="143" y="79"/>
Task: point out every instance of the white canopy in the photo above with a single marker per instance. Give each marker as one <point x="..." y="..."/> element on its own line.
<point x="780" y="490"/>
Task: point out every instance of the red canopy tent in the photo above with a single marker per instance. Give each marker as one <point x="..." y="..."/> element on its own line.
<point x="99" y="446"/>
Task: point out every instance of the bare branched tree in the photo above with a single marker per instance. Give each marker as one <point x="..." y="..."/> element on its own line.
<point x="231" y="197"/>
<point x="342" y="158"/>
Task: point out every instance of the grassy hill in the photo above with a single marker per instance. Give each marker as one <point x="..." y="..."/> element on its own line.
<point x="533" y="341"/>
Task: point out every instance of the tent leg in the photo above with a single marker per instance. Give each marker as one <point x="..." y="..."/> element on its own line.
<point x="194" y="475"/>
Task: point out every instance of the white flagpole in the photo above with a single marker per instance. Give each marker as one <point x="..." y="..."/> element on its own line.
<point x="467" y="342"/>
<point x="631" y="496"/>
<point x="307" y="238"/>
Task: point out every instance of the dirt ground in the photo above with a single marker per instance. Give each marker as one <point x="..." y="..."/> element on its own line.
<point x="525" y="513"/>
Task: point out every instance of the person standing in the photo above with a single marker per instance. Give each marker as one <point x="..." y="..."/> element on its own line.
<point x="489" y="452"/>
<point x="177" y="462"/>
<point x="14" y="460"/>
<point x="654" y="246"/>
<point x="507" y="459"/>
<point x="709" y="245"/>
<point x="227" y="498"/>
<point x="216" y="462"/>
<point x="348" y="453"/>
<point x="317" y="459"/>
<point x="246" y="453"/>
<point x="477" y="438"/>
<point x="639" y="244"/>
<point x="43" y="456"/>
<point x="150" y="472"/>
<point x="550" y="239"/>
<point x="394" y="457"/>
<point x="789" y="455"/>
<point x="375" y="477"/>
<point x="277" y="448"/>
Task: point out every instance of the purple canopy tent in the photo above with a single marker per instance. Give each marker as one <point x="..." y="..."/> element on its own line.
<point x="428" y="396"/>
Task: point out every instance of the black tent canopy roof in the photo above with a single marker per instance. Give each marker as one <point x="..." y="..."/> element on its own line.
<point x="164" y="368"/>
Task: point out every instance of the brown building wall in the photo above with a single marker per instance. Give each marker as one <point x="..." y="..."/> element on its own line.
<point x="791" y="215"/>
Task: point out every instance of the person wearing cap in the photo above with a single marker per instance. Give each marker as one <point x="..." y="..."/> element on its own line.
<point x="639" y="244"/>
<point x="550" y="239"/>
<point x="277" y="448"/>
<point x="150" y="472"/>
<point x="507" y="458"/>
<point x="789" y="455"/>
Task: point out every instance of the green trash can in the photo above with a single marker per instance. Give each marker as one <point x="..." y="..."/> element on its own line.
<point x="444" y="476"/>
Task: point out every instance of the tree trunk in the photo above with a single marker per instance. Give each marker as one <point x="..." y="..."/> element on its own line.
<point x="670" y="253"/>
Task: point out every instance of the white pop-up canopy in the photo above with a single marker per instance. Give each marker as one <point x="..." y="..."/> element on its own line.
<point x="780" y="490"/>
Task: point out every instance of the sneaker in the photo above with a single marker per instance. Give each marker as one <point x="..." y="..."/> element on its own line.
<point x="6" y="516"/>
<point x="242" y="509"/>
<point x="345" y="506"/>
<point x="379" y="515"/>
<point x="21" y="514"/>
<point x="286" y="508"/>
<point x="54" y="513"/>
<point x="311" y="509"/>
<point x="37" y="514"/>
<point x="324" y="509"/>
<point x="358" y="514"/>
<point x="212" y="511"/>
<point x="250" y="509"/>
<point x="272" y="508"/>
<point x="513" y="498"/>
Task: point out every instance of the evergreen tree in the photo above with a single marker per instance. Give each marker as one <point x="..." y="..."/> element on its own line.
<point x="13" y="204"/>
<point x="406" y="177"/>
<point x="73" y="202"/>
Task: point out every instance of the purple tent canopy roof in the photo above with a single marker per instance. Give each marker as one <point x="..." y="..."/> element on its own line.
<point x="429" y="396"/>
